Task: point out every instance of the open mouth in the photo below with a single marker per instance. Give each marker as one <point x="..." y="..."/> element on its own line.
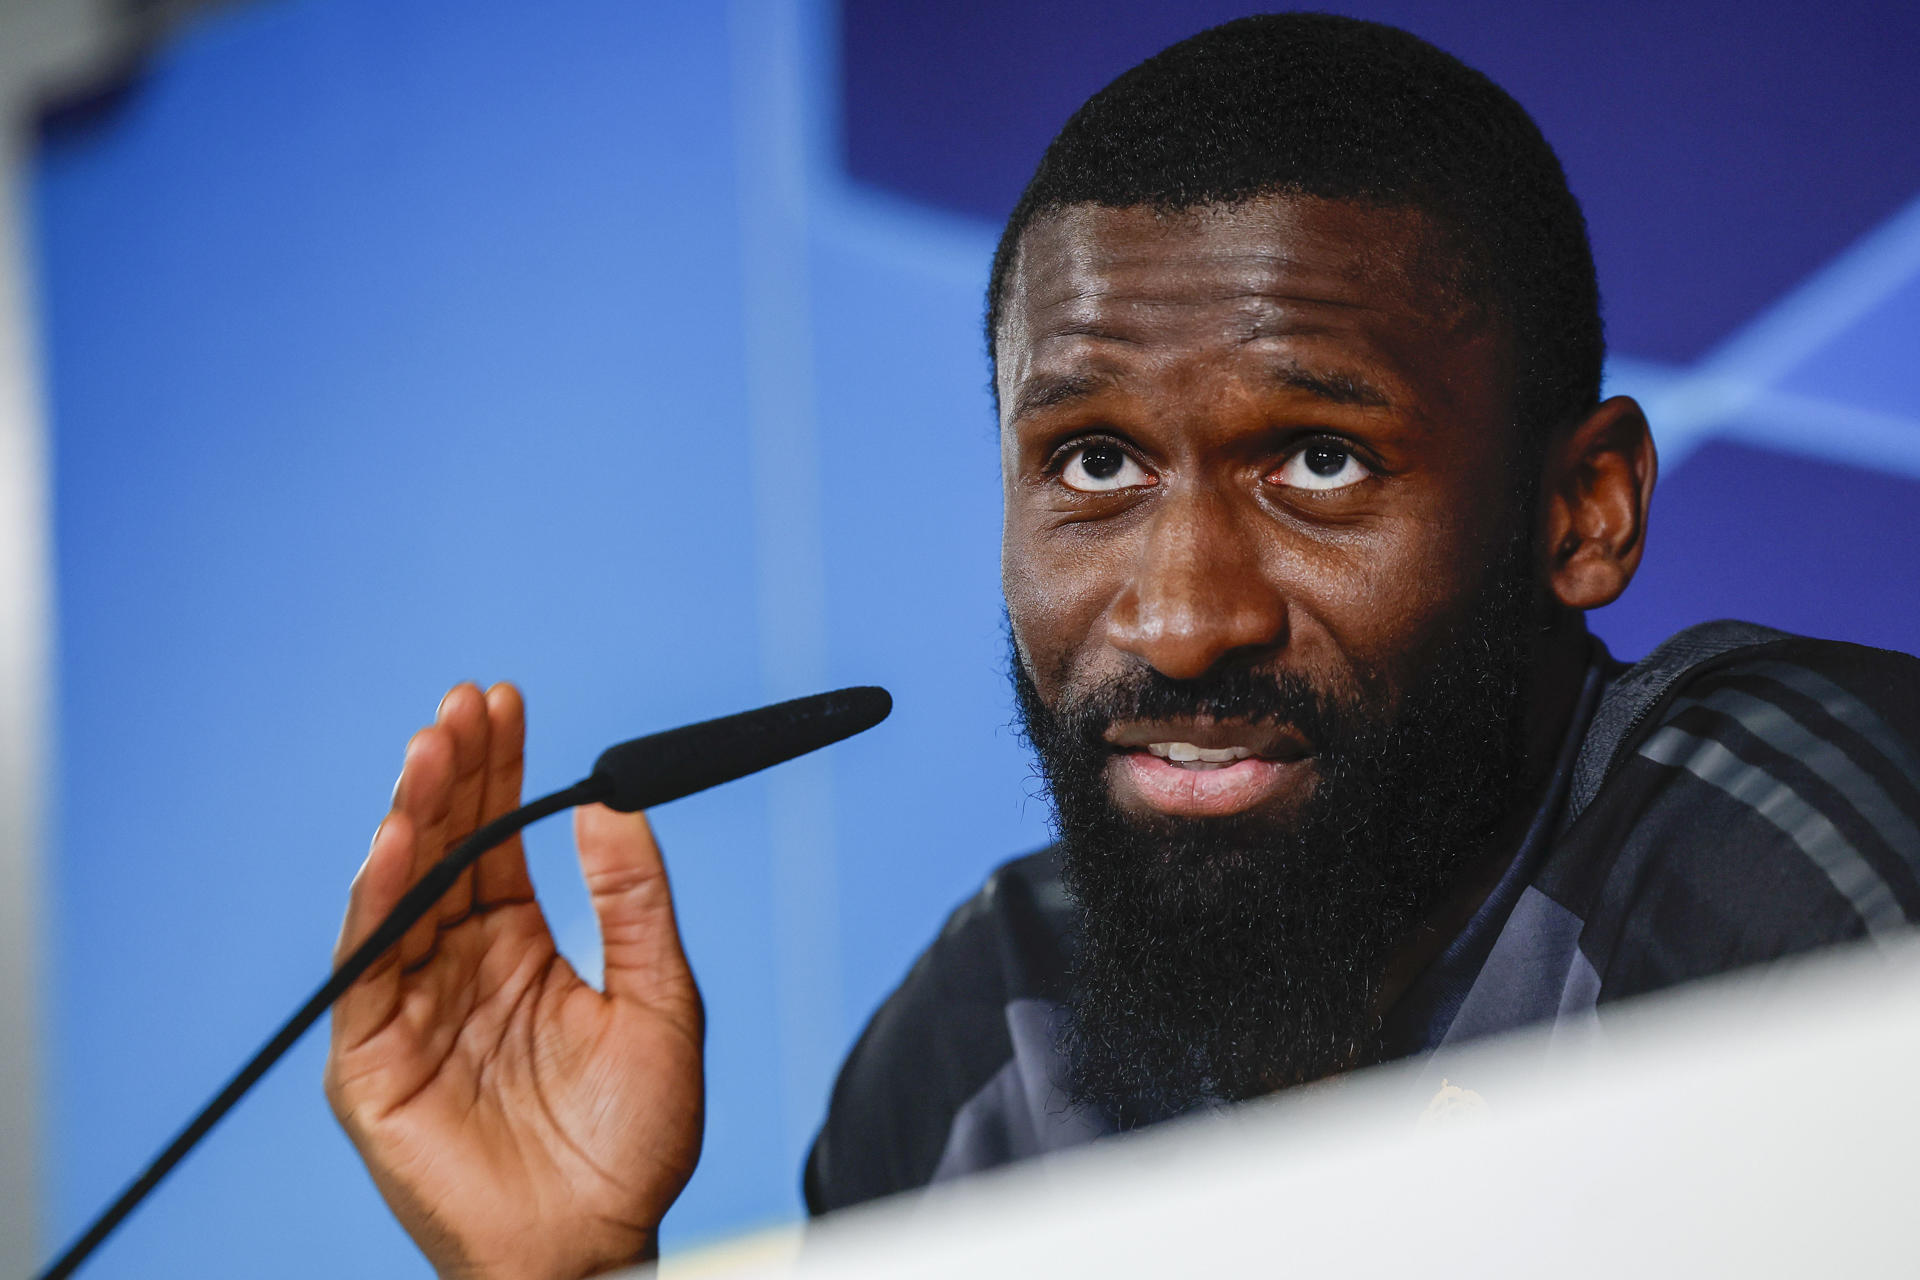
<point x="1189" y="756"/>
<point x="1205" y="768"/>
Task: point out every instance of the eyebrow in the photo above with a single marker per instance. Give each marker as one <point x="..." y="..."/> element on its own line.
<point x="1050" y="390"/>
<point x="1333" y="386"/>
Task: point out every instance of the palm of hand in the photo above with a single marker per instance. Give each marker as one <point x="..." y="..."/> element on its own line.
<point x="518" y="1121"/>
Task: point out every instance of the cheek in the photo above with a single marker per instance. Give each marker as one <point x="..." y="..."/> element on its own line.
<point x="1374" y="602"/>
<point x="1057" y="589"/>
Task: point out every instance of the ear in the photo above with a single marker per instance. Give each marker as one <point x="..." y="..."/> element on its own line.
<point x="1597" y="486"/>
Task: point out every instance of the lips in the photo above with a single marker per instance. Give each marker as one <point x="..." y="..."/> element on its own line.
<point x="1205" y="769"/>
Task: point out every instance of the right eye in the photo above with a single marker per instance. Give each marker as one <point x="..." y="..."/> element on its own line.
<point x="1100" y="466"/>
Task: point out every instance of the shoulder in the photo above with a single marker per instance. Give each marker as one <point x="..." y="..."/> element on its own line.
<point x="941" y="1037"/>
<point x="1759" y="796"/>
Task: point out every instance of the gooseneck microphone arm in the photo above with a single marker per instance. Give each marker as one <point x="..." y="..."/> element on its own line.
<point x="633" y="775"/>
<point x="417" y="902"/>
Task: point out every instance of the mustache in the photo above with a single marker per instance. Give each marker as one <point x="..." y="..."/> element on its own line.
<point x="1246" y="694"/>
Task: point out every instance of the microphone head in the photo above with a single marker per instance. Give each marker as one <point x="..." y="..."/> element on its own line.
<point x="665" y="766"/>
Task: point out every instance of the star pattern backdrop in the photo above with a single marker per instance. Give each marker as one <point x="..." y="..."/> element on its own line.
<point x="632" y="353"/>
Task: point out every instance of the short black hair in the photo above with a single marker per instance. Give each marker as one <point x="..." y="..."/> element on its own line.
<point x="1337" y="108"/>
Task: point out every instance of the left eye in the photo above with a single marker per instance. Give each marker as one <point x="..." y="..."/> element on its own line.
<point x="1100" y="467"/>
<point x="1321" y="465"/>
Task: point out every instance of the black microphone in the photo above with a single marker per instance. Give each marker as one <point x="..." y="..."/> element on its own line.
<point x="634" y="775"/>
<point x="665" y="766"/>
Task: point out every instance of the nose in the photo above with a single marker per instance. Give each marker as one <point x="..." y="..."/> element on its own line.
<point x="1198" y="594"/>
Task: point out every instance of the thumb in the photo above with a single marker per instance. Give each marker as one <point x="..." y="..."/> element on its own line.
<point x="631" y="899"/>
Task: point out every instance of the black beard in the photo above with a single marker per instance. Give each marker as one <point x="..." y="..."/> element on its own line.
<point x="1221" y="959"/>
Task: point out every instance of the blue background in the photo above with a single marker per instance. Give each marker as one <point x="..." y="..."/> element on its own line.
<point x="631" y="352"/>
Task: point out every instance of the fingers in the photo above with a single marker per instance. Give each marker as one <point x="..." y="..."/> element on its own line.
<point x="452" y="779"/>
<point x="463" y="714"/>
<point x="370" y="1002"/>
<point x="424" y="797"/>
<point x="501" y="875"/>
<point x="451" y="776"/>
<point x="628" y="885"/>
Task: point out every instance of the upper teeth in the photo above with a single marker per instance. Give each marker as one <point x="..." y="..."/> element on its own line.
<point x="1187" y="751"/>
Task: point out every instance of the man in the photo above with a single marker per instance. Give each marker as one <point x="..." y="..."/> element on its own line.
<point x="1308" y="485"/>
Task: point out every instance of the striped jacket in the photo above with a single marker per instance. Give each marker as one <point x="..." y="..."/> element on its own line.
<point x="1739" y="796"/>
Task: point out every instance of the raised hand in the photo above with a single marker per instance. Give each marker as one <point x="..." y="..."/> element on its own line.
<point x="520" y="1123"/>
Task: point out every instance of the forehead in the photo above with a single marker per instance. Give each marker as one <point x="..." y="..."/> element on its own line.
<point x="1378" y="284"/>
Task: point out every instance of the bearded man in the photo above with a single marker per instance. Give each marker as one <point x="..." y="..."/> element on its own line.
<point x="1308" y="485"/>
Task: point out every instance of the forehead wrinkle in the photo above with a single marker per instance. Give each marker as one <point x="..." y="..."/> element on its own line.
<point x="1087" y="327"/>
<point x="1260" y="319"/>
<point x="1084" y="372"/>
<point x="1097" y="258"/>
<point x="1252" y="258"/>
<point x="1095" y="275"/>
<point x="1092" y="278"/>
<point x="1088" y="268"/>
